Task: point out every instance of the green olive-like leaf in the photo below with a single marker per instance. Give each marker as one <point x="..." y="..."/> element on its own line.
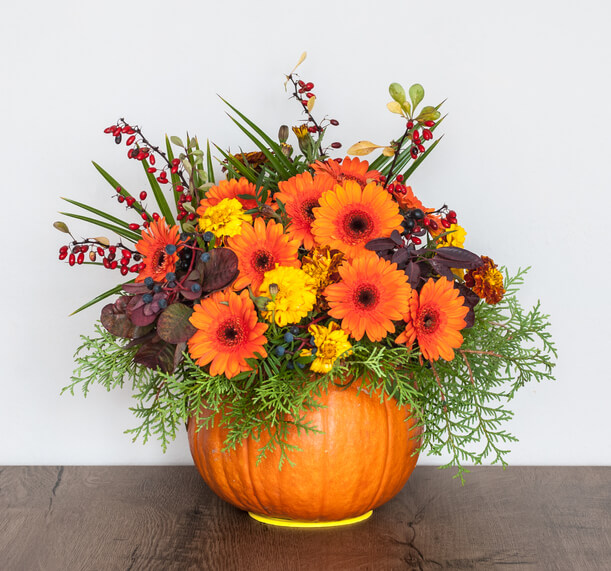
<point x="416" y="94"/>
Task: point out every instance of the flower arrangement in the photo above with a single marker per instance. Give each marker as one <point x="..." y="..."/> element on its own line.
<point x="298" y="270"/>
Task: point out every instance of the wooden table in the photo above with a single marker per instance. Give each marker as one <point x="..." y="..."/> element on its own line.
<point x="150" y="518"/>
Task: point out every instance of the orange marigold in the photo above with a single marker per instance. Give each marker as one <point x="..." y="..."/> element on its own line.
<point x="228" y="333"/>
<point x="259" y="248"/>
<point x="158" y="262"/>
<point x="371" y="295"/>
<point x="331" y="172"/>
<point x="300" y="195"/>
<point x="231" y="189"/>
<point x="435" y="317"/>
<point x="350" y="216"/>
<point x="486" y="281"/>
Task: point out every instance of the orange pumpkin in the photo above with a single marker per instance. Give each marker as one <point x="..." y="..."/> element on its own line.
<point x="362" y="458"/>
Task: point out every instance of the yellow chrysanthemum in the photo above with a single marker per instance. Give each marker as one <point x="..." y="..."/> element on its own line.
<point x="331" y="342"/>
<point x="293" y="295"/>
<point x="322" y="264"/>
<point x="224" y="218"/>
<point x="455" y="237"/>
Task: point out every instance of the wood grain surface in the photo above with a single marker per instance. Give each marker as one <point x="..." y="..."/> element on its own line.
<point x="151" y="518"/>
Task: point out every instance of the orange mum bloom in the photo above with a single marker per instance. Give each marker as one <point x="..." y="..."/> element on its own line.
<point x="153" y="245"/>
<point x="370" y="296"/>
<point x="227" y="333"/>
<point x="486" y="281"/>
<point x="332" y="172"/>
<point x="300" y="195"/>
<point x="259" y="248"/>
<point x="231" y="189"/>
<point x="350" y="216"/>
<point x="435" y="318"/>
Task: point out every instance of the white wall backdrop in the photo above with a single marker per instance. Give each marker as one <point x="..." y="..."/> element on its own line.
<point x="524" y="162"/>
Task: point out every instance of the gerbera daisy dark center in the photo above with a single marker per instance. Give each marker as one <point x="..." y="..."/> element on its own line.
<point x="428" y="320"/>
<point x="357" y="225"/>
<point x="307" y="207"/>
<point x="159" y="259"/>
<point x="262" y="261"/>
<point x="366" y="296"/>
<point x="231" y="332"/>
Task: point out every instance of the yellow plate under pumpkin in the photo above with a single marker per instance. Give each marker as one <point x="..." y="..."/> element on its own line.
<point x="304" y="524"/>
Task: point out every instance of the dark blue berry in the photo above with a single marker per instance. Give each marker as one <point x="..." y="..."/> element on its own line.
<point x="205" y="257"/>
<point x="163" y="303"/>
<point x="294" y="330"/>
<point x="147" y="298"/>
<point x="184" y="237"/>
<point x="157" y="288"/>
<point x="208" y="236"/>
<point x="300" y="365"/>
<point x="290" y="365"/>
<point x="148" y="282"/>
<point x="170" y="276"/>
<point x="195" y="288"/>
<point x="171" y="284"/>
<point x="170" y="249"/>
<point x="288" y="337"/>
<point x="279" y="351"/>
<point x="314" y="350"/>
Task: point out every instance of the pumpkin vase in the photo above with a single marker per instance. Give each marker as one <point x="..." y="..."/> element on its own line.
<point x="362" y="457"/>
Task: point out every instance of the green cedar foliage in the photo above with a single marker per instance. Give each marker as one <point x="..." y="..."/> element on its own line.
<point x="461" y="404"/>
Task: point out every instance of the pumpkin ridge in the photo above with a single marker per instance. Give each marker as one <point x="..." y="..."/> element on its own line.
<point x="384" y="477"/>
<point x="246" y="445"/>
<point x="324" y="420"/>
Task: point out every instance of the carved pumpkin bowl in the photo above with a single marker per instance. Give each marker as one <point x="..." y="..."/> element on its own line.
<point x="362" y="457"/>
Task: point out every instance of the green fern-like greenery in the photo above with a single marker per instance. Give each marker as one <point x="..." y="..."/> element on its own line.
<point x="461" y="404"/>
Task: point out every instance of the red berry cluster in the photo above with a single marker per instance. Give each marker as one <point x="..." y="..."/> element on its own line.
<point x="414" y="134"/>
<point x="130" y="261"/>
<point x="396" y="187"/>
<point x="141" y="149"/>
<point x="124" y="198"/>
<point x="303" y="93"/>
<point x="184" y="198"/>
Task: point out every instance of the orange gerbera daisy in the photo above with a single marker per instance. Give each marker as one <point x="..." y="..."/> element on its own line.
<point x="231" y="189"/>
<point x="332" y="172"/>
<point x="259" y="248"/>
<point x="300" y="195"/>
<point x="228" y="333"/>
<point x="435" y="317"/>
<point x="155" y="251"/>
<point x="350" y="216"/>
<point x="371" y="295"/>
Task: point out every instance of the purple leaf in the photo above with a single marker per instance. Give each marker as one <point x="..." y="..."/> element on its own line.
<point x="116" y="321"/>
<point x="156" y="353"/>
<point x="174" y="325"/>
<point x="220" y="270"/>
<point x="412" y="270"/>
<point x="135" y="288"/>
<point x="459" y="257"/>
<point x="442" y="268"/>
<point x="380" y="244"/>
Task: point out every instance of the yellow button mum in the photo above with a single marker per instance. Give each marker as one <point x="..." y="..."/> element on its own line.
<point x="223" y="219"/>
<point x="331" y="342"/>
<point x="455" y="236"/>
<point x="293" y="294"/>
